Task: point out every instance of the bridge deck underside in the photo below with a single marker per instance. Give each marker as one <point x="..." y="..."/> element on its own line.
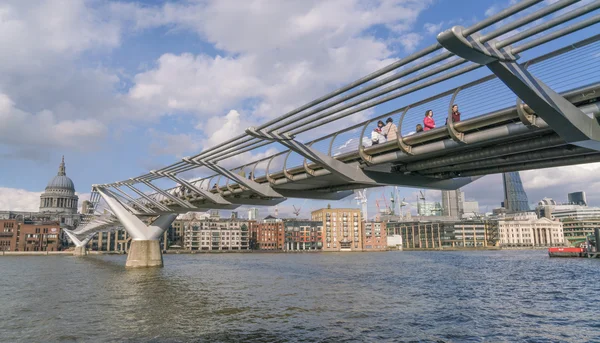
<point x="498" y="135"/>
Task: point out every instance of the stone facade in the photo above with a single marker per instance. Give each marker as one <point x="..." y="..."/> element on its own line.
<point x="59" y="196"/>
<point x="528" y="231"/>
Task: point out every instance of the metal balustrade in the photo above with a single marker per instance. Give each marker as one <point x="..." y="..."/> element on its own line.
<point x="490" y="113"/>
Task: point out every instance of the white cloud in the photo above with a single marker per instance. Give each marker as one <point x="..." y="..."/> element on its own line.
<point x="14" y="199"/>
<point x="433" y="29"/>
<point x="26" y="130"/>
<point x="178" y="145"/>
<point x="300" y="54"/>
<point x="491" y="10"/>
<point x="19" y="199"/>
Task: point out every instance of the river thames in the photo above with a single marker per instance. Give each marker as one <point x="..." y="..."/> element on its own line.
<point x="489" y="296"/>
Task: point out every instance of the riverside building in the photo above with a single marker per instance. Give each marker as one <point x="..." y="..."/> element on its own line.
<point x="374" y="236"/>
<point x="58" y="203"/>
<point x="301" y="235"/>
<point x="576" y="230"/>
<point x="445" y="233"/>
<point x="267" y="234"/>
<point x="341" y="228"/>
<point x="215" y="234"/>
<point x="527" y="230"/>
<point x="30" y="236"/>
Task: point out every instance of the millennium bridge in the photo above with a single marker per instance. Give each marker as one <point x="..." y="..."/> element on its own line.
<point x="517" y="114"/>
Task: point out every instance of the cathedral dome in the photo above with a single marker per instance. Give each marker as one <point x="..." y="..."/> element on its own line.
<point x="61" y="180"/>
<point x="60" y="193"/>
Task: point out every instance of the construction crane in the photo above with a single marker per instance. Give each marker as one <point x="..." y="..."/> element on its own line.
<point x="361" y="199"/>
<point x="297" y="211"/>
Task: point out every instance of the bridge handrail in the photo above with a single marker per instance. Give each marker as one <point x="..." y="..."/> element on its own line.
<point x="526" y="34"/>
<point x="293" y="121"/>
<point x="502" y="115"/>
<point x="415" y="139"/>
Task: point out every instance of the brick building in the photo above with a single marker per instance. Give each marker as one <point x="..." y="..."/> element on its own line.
<point x="303" y="235"/>
<point x="267" y="234"/>
<point x="340" y="228"/>
<point x="8" y="234"/>
<point x="374" y="237"/>
<point x="30" y="236"/>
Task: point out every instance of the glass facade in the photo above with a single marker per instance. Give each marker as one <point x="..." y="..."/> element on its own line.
<point x="515" y="198"/>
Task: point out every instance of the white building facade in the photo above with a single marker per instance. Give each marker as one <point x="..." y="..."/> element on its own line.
<point x="215" y="234"/>
<point x="527" y="230"/>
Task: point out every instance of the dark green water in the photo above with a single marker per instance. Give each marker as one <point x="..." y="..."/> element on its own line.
<point x="496" y="296"/>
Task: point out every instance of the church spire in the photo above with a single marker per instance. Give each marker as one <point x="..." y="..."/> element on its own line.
<point x="61" y="168"/>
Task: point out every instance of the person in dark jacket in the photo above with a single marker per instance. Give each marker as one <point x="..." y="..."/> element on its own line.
<point x="455" y="114"/>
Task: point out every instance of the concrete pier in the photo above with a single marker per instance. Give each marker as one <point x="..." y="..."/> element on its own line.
<point x="144" y="254"/>
<point x="80" y="251"/>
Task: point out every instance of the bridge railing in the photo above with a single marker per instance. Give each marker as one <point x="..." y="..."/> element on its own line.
<point x="412" y="74"/>
<point x="477" y="98"/>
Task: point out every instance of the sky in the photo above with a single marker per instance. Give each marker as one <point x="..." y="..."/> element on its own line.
<point x="123" y="87"/>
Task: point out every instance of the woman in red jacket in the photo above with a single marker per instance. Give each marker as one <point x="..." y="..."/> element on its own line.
<point x="428" y="122"/>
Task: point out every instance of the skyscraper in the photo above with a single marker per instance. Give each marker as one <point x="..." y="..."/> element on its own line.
<point x="515" y="198"/>
<point x="578" y="198"/>
<point x="452" y="203"/>
<point x="253" y="213"/>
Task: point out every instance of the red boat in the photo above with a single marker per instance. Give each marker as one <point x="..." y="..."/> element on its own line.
<point x="565" y="252"/>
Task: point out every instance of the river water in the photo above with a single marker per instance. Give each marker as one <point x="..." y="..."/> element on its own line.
<point x="489" y="296"/>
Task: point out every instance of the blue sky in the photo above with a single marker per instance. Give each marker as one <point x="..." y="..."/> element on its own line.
<point x="122" y="87"/>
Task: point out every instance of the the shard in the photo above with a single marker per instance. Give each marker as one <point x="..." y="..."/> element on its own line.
<point x="515" y="198"/>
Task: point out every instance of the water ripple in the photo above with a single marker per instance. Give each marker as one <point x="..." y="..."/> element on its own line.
<point x="496" y="296"/>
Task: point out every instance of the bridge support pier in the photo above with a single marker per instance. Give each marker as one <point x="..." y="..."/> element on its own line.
<point x="80" y="244"/>
<point x="145" y="249"/>
<point x="80" y="251"/>
<point x="143" y="254"/>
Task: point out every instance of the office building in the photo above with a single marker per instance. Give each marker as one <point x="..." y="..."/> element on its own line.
<point x="445" y="233"/>
<point x="550" y="209"/>
<point x="426" y="209"/>
<point x="341" y="228"/>
<point x="576" y="230"/>
<point x="253" y="213"/>
<point x="527" y="230"/>
<point x="452" y="203"/>
<point x="301" y="235"/>
<point x="267" y="234"/>
<point x="515" y="198"/>
<point x="470" y="208"/>
<point x="577" y="198"/>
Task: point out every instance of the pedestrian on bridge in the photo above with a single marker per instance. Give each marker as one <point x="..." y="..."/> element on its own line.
<point x="390" y="131"/>
<point x="428" y="122"/>
<point x="377" y="136"/>
<point x="455" y="114"/>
